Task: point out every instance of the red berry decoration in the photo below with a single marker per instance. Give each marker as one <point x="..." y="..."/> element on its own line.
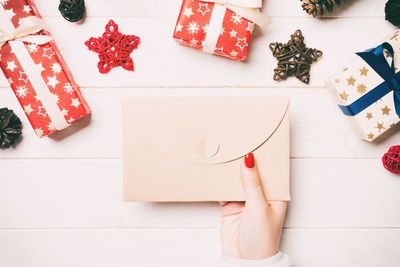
<point x="391" y="160"/>
<point x="114" y="48"/>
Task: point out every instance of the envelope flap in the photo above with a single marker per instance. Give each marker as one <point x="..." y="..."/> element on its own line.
<point x="204" y="130"/>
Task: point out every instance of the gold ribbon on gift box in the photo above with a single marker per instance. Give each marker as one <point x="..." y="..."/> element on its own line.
<point x="248" y="9"/>
<point x="28" y="31"/>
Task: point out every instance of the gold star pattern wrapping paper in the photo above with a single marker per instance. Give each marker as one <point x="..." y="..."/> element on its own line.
<point x="355" y="80"/>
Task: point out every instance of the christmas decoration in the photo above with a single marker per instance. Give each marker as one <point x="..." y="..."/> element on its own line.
<point x="10" y="128"/>
<point x="72" y="10"/>
<point x="218" y="27"/>
<point x="391" y="160"/>
<point x="367" y="89"/>
<point x="392" y="11"/>
<point x="319" y="7"/>
<point x="114" y="48"/>
<point x="294" y="58"/>
<point x="36" y="71"/>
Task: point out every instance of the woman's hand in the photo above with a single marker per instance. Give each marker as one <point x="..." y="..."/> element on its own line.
<point x="252" y="230"/>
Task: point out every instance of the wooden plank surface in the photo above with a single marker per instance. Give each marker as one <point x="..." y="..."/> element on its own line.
<point x="162" y="8"/>
<point x="60" y="197"/>
<point x="319" y="130"/>
<point x="189" y="247"/>
<point x="162" y="62"/>
<point x="87" y="193"/>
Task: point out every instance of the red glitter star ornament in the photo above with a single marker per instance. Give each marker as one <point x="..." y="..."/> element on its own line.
<point x="114" y="48"/>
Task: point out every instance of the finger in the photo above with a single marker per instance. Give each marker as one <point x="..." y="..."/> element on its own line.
<point x="279" y="208"/>
<point x="232" y="208"/>
<point x="226" y="203"/>
<point x="251" y="182"/>
<point x="223" y="203"/>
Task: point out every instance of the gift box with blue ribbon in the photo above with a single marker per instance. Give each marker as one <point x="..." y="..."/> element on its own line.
<point x="368" y="89"/>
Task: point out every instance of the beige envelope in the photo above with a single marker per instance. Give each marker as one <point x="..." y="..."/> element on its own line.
<point x="190" y="148"/>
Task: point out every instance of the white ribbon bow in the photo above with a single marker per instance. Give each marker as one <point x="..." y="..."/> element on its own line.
<point x="26" y="32"/>
<point x="248" y="9"/>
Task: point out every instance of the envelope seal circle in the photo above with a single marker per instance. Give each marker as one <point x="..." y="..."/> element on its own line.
<point x="207" y="148"/>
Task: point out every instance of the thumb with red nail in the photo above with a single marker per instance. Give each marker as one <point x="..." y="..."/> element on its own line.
<point x="251" y="230"/>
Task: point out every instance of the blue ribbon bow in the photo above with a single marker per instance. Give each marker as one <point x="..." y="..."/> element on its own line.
<point x="376" y="59"/>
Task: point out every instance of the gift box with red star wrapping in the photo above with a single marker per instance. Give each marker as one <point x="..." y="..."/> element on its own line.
<point x="193" y="25"/>
<point x="63" y="103"/>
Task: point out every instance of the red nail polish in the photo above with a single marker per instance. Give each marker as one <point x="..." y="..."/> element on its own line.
<point x="249" y="160"/>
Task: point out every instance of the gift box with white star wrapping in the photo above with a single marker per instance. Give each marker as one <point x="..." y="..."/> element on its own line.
<point x="219" y="27"/>
<point x="367" y="89"/>
<point x="36" y="71"/>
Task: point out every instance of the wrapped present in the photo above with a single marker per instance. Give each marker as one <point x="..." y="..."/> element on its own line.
<point x="219" y="27"/>
<point x="36" y="71"/>
<point x="367" y="90"/>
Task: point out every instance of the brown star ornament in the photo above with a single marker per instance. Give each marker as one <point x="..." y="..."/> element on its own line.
<point x="294" y="58"/>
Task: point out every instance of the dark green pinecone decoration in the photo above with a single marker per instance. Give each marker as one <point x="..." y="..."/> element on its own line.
<point x="319" y="7"/>
<point x="72" y="10"/>
<point x="392" y="11"/>
<point x="10" y="128"/>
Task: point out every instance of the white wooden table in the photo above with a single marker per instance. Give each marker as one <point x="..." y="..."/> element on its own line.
<point x="60" y="197"/>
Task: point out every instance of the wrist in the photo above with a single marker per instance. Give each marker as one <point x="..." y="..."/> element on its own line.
<point x="279" y="259"/>
<point x="256" y="251"/>
<point x="259" y="254"/>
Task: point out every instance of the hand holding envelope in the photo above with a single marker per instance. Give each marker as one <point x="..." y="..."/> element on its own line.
<point x="189" y="148"/>
<point x="252" y="229"/>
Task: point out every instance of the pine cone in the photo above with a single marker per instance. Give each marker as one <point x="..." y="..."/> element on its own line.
<point x="319" y="7"/>
<point x="10" y="128"/>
